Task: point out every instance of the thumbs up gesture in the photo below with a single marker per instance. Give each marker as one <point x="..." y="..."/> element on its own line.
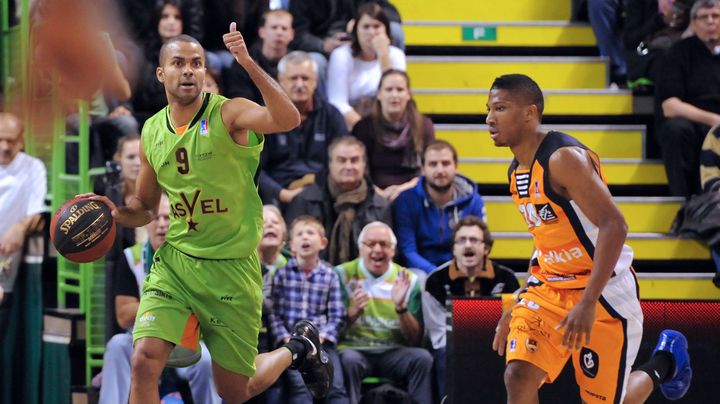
<point x="236" y="44"/>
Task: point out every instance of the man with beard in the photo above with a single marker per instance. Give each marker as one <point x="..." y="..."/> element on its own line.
<point x="469" y="274"/>
<point x="384" y="318"/>
<point x="425" y="215"/>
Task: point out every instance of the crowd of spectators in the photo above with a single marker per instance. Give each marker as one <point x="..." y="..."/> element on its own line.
<point x="367" y="217"/>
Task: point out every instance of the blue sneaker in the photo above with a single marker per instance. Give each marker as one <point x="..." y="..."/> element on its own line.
<point x="674" y="342"/>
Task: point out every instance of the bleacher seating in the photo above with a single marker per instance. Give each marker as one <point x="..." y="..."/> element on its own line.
<point x="454" y="53"/>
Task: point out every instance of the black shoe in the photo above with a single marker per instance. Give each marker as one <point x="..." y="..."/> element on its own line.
<point x="315" y="368"/>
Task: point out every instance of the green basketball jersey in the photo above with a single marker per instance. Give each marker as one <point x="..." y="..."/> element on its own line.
<point x="215" y="210"/>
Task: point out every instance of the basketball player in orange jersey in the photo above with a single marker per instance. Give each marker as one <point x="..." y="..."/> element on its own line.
<point x="581" y="298"/>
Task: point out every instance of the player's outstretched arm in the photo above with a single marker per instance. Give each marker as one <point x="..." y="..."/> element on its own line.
<point x="573" y="174"/>
<point x="139" y="210"/>
<point x="279" y="114"/>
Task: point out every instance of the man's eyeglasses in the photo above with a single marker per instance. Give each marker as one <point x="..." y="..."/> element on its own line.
<point x="708" y="17"/>
<point x="381" y="243"/>
<point x="471" y="240"/>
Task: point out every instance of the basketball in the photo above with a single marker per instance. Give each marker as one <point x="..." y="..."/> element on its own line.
<point x="83" y="230"/>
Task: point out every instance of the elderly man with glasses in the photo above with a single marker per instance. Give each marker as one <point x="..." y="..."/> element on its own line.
<point x="688" y="96"/>
<point x="384" y="324"/>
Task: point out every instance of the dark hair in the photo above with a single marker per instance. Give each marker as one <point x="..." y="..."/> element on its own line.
<point x="374" y="11"/>
<point x="417" y="127"/>
<point x="470" y="221"/>
<point x="439" y="144"/>
<point x="154" y="42"/>
<point x="179" y="38"/>
<point x="522" y="86"/>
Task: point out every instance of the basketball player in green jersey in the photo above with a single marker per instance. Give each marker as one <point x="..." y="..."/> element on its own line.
<point x="203" y="150"/>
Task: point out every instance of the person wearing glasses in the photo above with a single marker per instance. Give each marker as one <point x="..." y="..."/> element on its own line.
<point x="688" y="96"/>
<point x="470" y="273"/>
<point x="384" y="326"/>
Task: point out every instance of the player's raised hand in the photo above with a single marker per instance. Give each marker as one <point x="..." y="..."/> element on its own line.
<point x="236" y="44"/>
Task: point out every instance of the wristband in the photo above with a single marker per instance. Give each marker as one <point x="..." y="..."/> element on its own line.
<point x="401" y="310"/>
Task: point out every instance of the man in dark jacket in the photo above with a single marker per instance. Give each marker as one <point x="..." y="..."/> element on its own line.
<point x="343" y="199"/>
<point x="292" y="159"/>
<point x="425" y="215"/>
<point x="688" y="91"/>
<point x="275" y="35"/>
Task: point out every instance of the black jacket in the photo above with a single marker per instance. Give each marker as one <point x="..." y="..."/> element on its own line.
<point x="290" y="155"/>
<point x="315" y="200"/>
<point x="237" y="81"/>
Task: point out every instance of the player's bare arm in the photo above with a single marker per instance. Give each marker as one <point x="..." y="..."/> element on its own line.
<point x="139" y="210"/>
<point x="573" y="175"/>
<point x="239" y="114"/>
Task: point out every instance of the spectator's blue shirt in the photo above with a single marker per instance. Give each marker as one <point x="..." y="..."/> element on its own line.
<point x="315" y="297"/>
<point x="424" y="230"/>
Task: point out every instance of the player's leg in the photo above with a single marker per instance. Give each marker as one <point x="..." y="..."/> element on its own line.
<point x="602" y="368"/>
<point x="534" y="353"/>
<point x="227" y="299"/>
<point x="148" y="361"/>
<point x="302" y="352"/>
<point x="522" y="380"/>
<point x="163" y="321"/>
<point x="668" y="367"/>
<point x="237" y="388"/>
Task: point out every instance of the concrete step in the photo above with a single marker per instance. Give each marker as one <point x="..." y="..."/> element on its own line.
<point x="557" y="102"/>
<point x="642" y="214"/>
<point x="483" y="10"/>
<point x="497" y="34"/>
<point x="478" y="72"/>
<point x="608" y="141"/>
<point x="617" y="171"/>
<point x="670" y="286"/>
<point x="647" y="246"/>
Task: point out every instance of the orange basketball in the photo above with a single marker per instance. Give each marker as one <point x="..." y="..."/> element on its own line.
<point x="83" y="230"/>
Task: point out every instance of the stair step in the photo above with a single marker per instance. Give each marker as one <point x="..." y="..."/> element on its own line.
<point x="647" y="246"/>
<point x="485" y="10"/>
<point x="617" y="171"/>
<point x="669" y="286"/>
<point x="677" y="286"/>
<point x="469" y="72"/>
<point x="608" y="141"/>
<point x="496" y="34"/>
<point x="557" y="102"/>
<point x="642" y="214"/>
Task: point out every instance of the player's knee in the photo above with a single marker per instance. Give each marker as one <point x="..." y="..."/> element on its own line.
<point x="146" y="365"/>
<point x="235" y="394"/>
<point x="519" y="376"/>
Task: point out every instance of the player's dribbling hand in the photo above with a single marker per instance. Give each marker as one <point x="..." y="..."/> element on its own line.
<point x="113" y="208"/>
<point x="501" y="333"/>
<point x="578" y="323"/>
<point x="236" y="44"/>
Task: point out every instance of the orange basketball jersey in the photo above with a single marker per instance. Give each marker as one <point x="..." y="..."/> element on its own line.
<point x="564" y="237"/>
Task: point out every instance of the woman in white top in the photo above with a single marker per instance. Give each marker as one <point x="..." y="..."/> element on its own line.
<point x="354" y="70"/>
